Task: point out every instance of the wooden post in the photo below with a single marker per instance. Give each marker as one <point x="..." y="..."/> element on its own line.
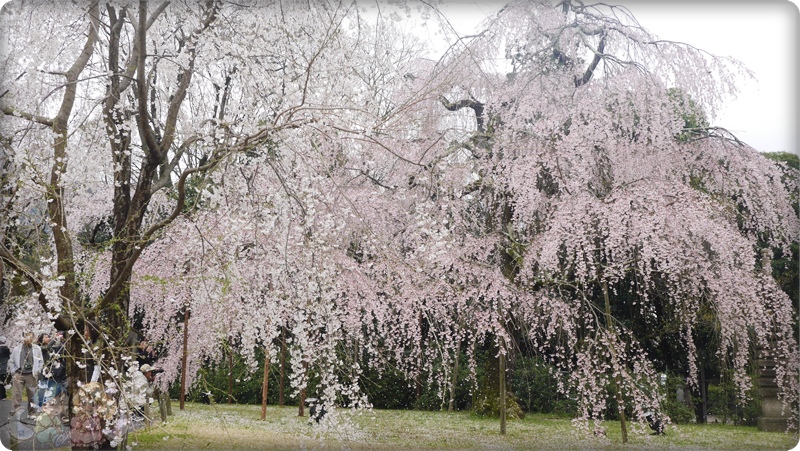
<point x="147" y="421"/>
<point x="617" y="380"/>
<point x="502" y="388"/>
<point x="301" y="411"/>
<point x="162" y="406"/>
<point x="418" y="385"/>
<point x="265" y="384"/>
<point x="621" y="407"/>
<point x="703" y="394"/>
<point x="283" y="366"/>
<point x="474" y="392"/>
<point x="453" y="382"/>
<point x="185" y="353"/>
<point x="230" y="376"/>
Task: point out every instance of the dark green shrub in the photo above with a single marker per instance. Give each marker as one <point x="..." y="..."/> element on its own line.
<point x="388" y="389"/>
<point x="247" y="385"/>
<point x="490" y="406"/>
<point x="678" y="412"/>
<point x="429" y="400"/>
<point x="535" y="383"/>
<point x="724" y="405"/>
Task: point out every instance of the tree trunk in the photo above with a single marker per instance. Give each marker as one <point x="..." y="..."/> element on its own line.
<point x="55" y="206"/>
<point x="265" y="385"/>
<point x="185" y="358"/>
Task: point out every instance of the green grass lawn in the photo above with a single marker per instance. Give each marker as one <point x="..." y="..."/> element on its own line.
<point x="223" y="427"/>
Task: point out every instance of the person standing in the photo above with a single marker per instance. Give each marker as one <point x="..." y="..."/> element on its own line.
<point x="5" y="353"/>
<point x="144" y="354"/>
<point x="58" y="363"/>
<point x="24" y="365"/>
<point x="56" y="367"/>
<point x="44" y="343"/>
<point x="91" y="333"/>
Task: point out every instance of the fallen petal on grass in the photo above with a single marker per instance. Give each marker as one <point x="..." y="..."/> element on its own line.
<point x="222" y="426"/>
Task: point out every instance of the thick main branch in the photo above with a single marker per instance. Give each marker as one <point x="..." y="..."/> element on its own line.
<point x="476" y="106"/>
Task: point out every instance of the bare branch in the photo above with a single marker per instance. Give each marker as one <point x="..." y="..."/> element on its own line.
<point x="165" y="179"/>
<point x="32" y="277"/>
<point x="598" y="55"/>
<point x="143" y="119"/>
<point x="133" y="61"/>
<point x="55" y="192"/>
<point x="185" y="79"/>
<point x="8" y="111"/>
<point x="17" y="265"/>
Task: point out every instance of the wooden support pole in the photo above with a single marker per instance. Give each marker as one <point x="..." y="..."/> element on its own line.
<point x="265" y="384"/>
<point x="230" y="376"/>
<point x="162" y="406"/>
<point x="502" y="388"/>
<point x="185" y="358"/>
<point x="453" y="382"/>
<point x="283" y="366"/>
<point x="301" y="411"/>
<point x="617" y="379"/>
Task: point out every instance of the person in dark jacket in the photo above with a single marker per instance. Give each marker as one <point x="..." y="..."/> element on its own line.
<point x="58" y="363"/>
<point x="5" y="353"/>
<point x="145" y="354"/>
<point x="91" y="334"/>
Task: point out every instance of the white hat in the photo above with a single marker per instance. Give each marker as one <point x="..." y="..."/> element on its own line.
<point x="2" y="338"/>
<point x="145" y="368"/>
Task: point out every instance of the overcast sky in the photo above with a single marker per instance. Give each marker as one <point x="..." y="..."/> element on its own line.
<point x="761" y="34"/>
